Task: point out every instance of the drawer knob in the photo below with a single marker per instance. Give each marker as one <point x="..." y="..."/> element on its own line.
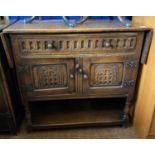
<point x="80" y="70"/>
<point x="71" y="76"/>
<point x="49" y="45"/>
<point x="107" y="44"/>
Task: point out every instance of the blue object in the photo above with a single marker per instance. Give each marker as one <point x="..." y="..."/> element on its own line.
<point x="70" y="17"/>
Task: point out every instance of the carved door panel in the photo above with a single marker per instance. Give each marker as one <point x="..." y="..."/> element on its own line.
<point x="46" y="77"/>
<point x="109" y="75"/>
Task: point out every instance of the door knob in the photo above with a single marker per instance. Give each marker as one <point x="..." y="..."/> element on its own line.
<point x="85" y="76"/>
<point x="77" y="66"/>
<point x="80" y="70"/>
<point x="71" y="76"/>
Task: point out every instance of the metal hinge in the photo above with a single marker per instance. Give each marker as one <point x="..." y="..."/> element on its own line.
<point x="23" y="68"/>
<point x="131" y="64"/>
<point x="129" y="83"/>
<point x="27" y="87"/>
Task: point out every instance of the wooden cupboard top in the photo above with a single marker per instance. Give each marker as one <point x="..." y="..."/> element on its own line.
<point x="58" y="26"/>
<point x="3" y="25"/>
<point x="6" y="23"/>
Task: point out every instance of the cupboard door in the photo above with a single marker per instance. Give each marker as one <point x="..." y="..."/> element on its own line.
<point x="41" y="78"/>
<point x="109" y="75"/>
<point x="3" y="94"/>
<point x="3" y="108"/>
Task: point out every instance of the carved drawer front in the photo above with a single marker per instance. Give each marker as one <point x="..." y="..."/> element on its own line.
<point x="57" y="44"/>
<point x="109" y="76"/>
<point x="48" y="77"/>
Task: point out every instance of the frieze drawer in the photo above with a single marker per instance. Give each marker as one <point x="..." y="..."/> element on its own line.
<point x="64" y="43"/>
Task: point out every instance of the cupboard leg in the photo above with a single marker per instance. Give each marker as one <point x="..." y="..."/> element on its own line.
<point x="28" y="117"/>
<point x="125" y="116"/>
<point x="12" y="126"/>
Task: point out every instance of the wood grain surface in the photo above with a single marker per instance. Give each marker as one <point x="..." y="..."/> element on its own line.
<point x="58" y="26"/>
<point x="144" y="112"/>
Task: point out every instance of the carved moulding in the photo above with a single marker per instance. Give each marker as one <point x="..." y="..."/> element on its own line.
<point x="54" y="44"/>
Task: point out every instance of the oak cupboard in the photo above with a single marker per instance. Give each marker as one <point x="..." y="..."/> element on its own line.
<point x="61" y="71"/>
